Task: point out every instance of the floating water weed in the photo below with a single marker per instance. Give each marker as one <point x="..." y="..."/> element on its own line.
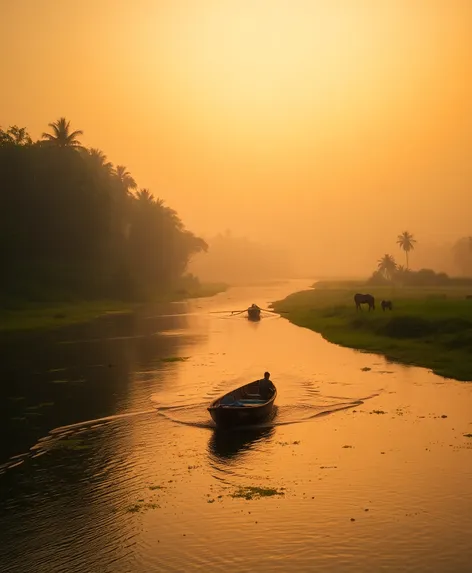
<point x="251" y="492"/>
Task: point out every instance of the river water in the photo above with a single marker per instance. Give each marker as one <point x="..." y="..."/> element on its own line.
<point x="109" y="462"/>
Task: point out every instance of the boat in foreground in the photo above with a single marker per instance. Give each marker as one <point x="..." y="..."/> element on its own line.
<point x="254" y="313"/>
<point x="243" y="406"/>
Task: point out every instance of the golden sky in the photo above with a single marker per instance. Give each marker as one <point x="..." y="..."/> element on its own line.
<point x="333" y="124"/>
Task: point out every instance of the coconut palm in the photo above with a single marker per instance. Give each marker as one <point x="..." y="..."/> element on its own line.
<point x="61" y="135"/>
<point x="99" y="160"/>
<point x="406" y="242"/>
<point x="145" y="197"/>
<point x="124" y="177"/>
<point x="387" y="266"/>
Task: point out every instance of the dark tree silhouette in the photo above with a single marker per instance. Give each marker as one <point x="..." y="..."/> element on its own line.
<point x="407" y="243"/>
<point x="61" y="135"/>
<point x="387" y="266"/>
<point x="70" y="227"/>
<point x="125" y="179"/>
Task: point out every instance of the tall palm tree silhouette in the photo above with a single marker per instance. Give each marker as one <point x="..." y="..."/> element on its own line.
<point x="407" y="243"/>
<point x="61" y="135"/>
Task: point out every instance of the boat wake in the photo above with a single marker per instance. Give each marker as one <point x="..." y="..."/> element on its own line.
<point x="54" y="438"/>
<point x="196" y="415"/>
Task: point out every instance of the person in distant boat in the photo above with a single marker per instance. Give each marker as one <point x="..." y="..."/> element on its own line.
<point x="265" y="386"/>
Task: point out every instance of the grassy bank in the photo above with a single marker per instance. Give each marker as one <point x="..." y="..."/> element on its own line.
<point x="24" y="315"/>
<point x="429" y="327"/>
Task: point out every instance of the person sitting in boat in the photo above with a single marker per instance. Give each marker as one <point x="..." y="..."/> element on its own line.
<point x="265" y="386"/>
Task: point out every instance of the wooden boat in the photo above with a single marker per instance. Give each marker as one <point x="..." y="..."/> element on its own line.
<point x="243" y="406"/>
<point x="254" y="313"/>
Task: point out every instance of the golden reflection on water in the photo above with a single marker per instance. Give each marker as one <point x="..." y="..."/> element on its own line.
<point x="372" y="468"/>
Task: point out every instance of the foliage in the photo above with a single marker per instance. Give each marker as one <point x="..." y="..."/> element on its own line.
<point x="61" y="135"/>
<point x="406" y="242"/>
<point x="71" y="227"/>
<point x="387" y="266"/>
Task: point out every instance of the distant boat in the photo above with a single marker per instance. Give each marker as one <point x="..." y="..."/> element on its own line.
<point x="254" y="312"/>
<point x="243" y="406"/>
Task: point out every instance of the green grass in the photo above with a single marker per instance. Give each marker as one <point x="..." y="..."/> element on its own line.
<point x="23" y="315"/>
<point x="30" y="316"/>
<point x="429" y="327"/>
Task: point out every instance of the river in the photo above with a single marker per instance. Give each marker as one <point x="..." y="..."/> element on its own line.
<point x="109" y="462"/>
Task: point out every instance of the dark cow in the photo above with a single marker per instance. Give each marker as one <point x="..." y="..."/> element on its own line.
<point x="386" y="305"/>
<point x="364" y="299"/>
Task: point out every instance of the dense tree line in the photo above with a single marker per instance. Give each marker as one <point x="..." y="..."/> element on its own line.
<point x="73" y="224"/>
<point x="390" y="272"/>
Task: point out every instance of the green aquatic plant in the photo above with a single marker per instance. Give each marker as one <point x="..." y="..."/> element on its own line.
<point x="252" y="492"/>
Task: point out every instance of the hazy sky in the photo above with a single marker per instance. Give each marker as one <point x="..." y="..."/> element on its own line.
<point x="339" y="123"/>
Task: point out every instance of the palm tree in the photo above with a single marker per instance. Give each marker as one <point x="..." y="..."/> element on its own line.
<point x="62" y="136"/>
<point x="145" y="197"/>
<point x="124" y="177"/>
<point x="170" y="214"/>
<point x="387" y="266"/>
<point x="406" y="242"/>
<point x="99" y="159"/>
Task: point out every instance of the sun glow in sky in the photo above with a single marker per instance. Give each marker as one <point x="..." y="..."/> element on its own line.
<point x="337" y="123"/>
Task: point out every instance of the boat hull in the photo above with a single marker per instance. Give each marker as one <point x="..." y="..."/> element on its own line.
<point x="254" y="314"/>
<point x="230" y="416"/>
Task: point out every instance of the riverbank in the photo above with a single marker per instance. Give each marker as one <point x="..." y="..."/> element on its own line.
<point x="428" y="327"/>
<point x="25" y="315"/>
